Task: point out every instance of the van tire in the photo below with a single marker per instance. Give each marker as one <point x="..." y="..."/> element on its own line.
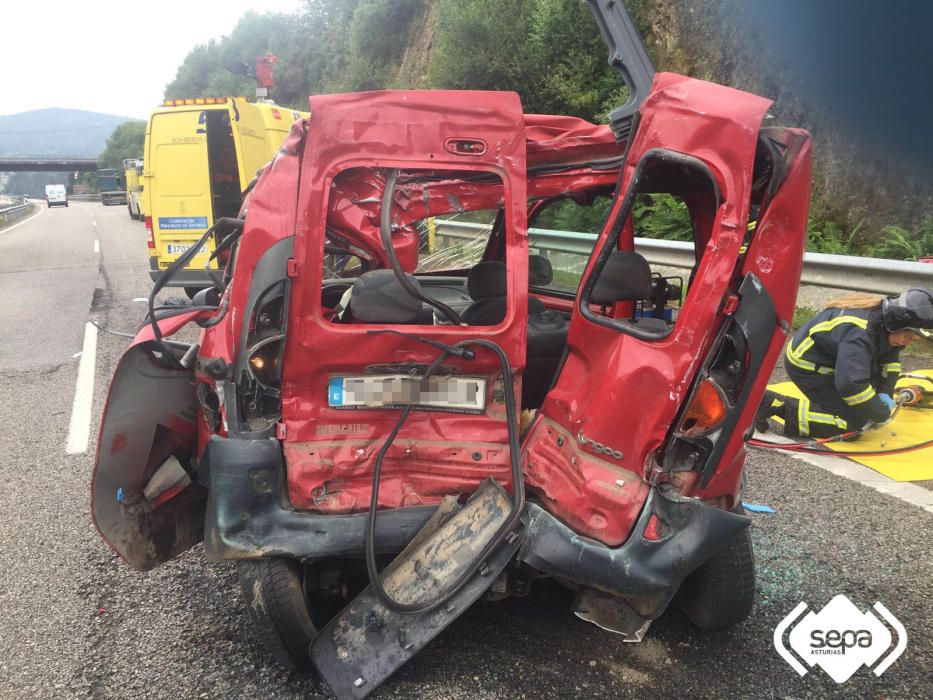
<point x="721" y="592"/>
<point x="275" y="599"/>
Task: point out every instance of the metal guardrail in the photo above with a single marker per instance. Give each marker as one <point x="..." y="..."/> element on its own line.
<point x="15" y="211"/>
<point x="848" y="272"/>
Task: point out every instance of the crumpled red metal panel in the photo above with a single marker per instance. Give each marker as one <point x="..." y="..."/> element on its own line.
<point x="618" y="392"/>
<point x="352" y="140"/>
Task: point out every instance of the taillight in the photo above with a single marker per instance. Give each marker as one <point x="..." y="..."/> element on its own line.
<point x="706" y="410"/>
<point x="653" y="530"/>
<point x="151" y="242"/>
<point x="722" y="377"/>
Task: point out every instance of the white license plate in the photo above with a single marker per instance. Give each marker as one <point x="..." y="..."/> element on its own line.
<point x="395" y="390"/>
<point x="179" y="248"/>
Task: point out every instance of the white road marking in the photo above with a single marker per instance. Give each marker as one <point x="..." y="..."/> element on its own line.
<point x="144" y="300"/>
<point x="79" y="430"/>
<point x="846" y="468"/>
<point x="24" y="221"/>
<point x="96" y="246"/>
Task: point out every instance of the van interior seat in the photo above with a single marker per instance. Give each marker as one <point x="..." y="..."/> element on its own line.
<point x="487" y="285"/>
<point x="626" y="276"/>
<point x="378" y="297"/>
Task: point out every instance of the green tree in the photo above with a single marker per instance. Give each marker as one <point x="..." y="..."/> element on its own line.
<point x="901" y="244"/>
<point x="227" y="66"/>
<point x="126" y="141"/>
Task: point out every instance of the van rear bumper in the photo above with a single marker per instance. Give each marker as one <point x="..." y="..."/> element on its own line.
<point x="248" y="517"/>
<point x="182" y="278"/>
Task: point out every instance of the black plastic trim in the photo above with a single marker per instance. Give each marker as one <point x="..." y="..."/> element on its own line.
<point x="757" y="318"/>
<point x="248" y="516"/>
<point x="628" y="55"/>
<point x="639" y="568"/>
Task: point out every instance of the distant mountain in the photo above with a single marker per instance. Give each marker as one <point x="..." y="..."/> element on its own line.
<point x="56" y="132"/>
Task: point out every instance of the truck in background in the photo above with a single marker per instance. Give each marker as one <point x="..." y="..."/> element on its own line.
<point x="111" y="185"/>
<point x="132" y="172"/>
<point x="200" y="155"/>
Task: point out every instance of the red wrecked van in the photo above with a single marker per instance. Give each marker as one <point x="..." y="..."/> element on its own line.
<point x="411" y="390"/>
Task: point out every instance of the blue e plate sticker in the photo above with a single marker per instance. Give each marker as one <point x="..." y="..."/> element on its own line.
<point x="335" y="391"/>
<point x="178" y="223"/>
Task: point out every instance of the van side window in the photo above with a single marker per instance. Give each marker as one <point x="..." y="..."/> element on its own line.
<point x="674" y="197"/>
<point x="446" y="233"/>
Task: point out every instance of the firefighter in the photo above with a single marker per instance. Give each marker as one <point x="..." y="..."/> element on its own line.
<point x="846" y="361"/>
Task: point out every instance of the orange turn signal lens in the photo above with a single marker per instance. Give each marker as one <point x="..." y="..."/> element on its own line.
<point x="706" y="410"/>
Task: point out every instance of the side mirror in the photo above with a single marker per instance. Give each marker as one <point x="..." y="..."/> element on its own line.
<point x="206" y="297"/>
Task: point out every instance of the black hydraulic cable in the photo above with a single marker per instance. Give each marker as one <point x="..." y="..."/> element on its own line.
<point x="518" y="488"/>
<point x="179" y="263"/>
<point x="112" y="332"/>
<point x="385" y="230"/>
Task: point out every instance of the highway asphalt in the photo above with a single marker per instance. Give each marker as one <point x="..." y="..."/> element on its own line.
<point x="76" y="622"/>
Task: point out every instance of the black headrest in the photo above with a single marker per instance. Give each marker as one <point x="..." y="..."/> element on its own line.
<point x="540" y="271"/>
<point x="487" y="280"/>
<point x="626" y="276"/>
<point x="378" y="297"/>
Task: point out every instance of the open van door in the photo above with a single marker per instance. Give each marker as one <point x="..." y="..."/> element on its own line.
<point x="633" y="388"/>
<point x="146" y="501"/>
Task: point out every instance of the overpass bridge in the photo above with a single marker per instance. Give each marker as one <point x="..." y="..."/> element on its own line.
<point x="65" y="164"/>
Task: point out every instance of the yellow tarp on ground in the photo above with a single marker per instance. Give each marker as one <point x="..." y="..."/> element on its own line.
<point x="909" y="427"/>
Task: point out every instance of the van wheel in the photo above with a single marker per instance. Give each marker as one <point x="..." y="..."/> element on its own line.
<point x="275" y="598"/>
<point x="721" y="592"/>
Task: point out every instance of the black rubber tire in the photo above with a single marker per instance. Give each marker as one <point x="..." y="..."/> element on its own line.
<point x="276" y="602"/>
<point x="721" y="593"/>
<point x="191" y="292"/>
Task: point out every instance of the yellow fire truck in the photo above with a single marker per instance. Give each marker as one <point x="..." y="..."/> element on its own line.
<point x="200" y="155"/>
<point x="133" y="170"/>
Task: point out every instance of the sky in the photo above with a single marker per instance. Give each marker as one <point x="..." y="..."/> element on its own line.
<point x="107" y="56"/>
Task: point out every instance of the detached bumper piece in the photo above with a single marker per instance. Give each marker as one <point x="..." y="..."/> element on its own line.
<point x="367" y="641"/>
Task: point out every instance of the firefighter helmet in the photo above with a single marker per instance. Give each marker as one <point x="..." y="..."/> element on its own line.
<point x="911" y="310"/>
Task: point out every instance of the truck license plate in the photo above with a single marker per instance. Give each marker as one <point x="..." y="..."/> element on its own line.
<point x="179" y="248"/>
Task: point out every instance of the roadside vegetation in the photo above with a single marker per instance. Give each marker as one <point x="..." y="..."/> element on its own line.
<point x="551" y="53"/>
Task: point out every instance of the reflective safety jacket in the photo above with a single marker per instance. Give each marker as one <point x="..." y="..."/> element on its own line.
<point x="852" y="345"/>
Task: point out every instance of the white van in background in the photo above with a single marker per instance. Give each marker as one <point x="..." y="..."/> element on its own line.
<point x="55" y="194"/>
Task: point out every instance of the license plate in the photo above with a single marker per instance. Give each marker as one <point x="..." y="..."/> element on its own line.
<point x="179" y="248"/>
<point x="397" y="390"/>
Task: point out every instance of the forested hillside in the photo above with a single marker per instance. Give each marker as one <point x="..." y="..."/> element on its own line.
<point x="868" y="198"/>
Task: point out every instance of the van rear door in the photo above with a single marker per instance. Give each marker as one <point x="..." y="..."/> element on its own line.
<point x="180" y="188"/>
<point x="249" y="134"/>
